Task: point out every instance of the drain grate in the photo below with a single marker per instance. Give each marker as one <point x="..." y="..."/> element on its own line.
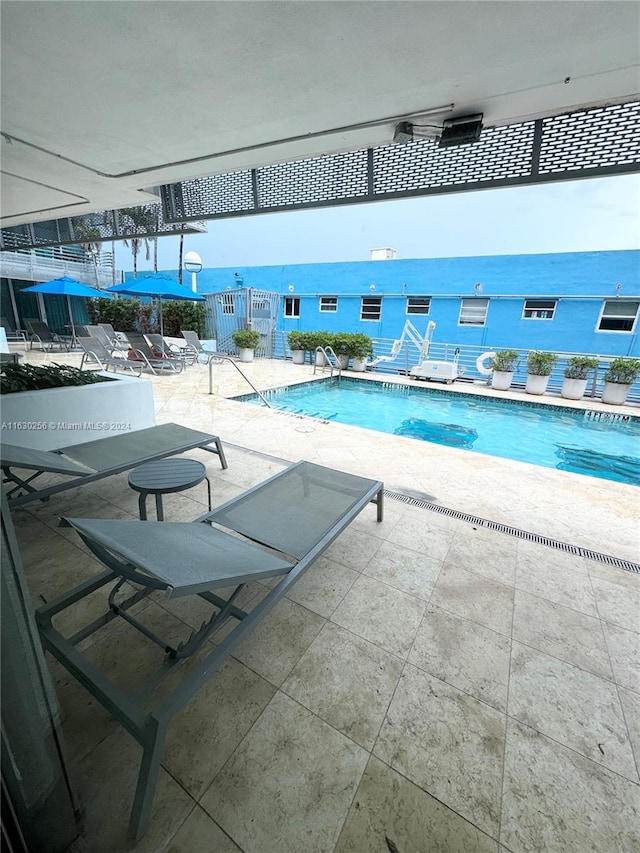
<point x="596" y="556"/>
<point x="517" y="532"/>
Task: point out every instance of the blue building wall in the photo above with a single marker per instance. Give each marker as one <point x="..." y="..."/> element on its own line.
<point x="581" y="282"/>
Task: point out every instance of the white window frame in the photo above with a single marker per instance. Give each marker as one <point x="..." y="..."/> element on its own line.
<point x="291" y="307"/>
<point x="227" y="302"/>
<point x="530" y="312"/>
<point x="328" y="304"/>
<point x="417" y="299"/>
<point x="618" y="331"/>
<point x="370" y="300"/>
<point x="467" y="303"/>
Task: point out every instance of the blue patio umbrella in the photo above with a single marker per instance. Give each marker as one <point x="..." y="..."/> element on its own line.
<point x="157" y="286"/>
<point x="66" y="286"/>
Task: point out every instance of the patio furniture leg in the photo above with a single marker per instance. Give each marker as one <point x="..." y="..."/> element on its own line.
<point x="159" y="512"/>
<point x="147" y="779"/>
<point x="142" y="506"/>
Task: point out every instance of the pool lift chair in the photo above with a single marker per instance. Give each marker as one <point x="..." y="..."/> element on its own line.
<point x="275" y="530"/>
<point x="410" y="333"/>
<point x="429" y="368"/>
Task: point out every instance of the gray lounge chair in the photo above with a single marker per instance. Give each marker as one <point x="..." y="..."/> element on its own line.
<point x="40" y="333"/>
<point x="276" y="530"/>
<point x="13" y="334"/>
<point x="94" y="460"/>
<point x="150" y="358"/>
<point x="95" y="352"/>
<point x="186" y="354"/>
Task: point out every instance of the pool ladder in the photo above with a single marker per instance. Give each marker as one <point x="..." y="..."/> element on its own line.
<point x="217" y="357"/>
<point x="330" y="358"/>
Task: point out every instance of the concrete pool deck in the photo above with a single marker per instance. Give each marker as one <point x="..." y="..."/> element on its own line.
<point x="430" y="684"/>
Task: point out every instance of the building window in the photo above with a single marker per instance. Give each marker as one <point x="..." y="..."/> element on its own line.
<point x="418" y="304"/>
<point x="473" y="312"/>
<point x="292" y="306"/>
<point x="328" y="303"/>
<point x="539" y="309"/>
<point x="618" y="316"/>
<point x="227" y="303"/>
<point x="370" y="307"/>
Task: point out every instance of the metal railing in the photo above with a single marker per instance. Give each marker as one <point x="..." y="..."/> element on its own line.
<point x="32" y="266"/>
<point x="217" y="357"/>
<point x="329" y="358"/>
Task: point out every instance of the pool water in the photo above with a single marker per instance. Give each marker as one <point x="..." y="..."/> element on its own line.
<point x="598" y="444"/>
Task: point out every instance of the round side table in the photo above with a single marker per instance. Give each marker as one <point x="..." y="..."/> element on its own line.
<point x="163" y="477"/>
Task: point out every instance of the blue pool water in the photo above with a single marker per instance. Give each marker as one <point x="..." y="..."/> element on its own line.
<point x="598" y="444"/>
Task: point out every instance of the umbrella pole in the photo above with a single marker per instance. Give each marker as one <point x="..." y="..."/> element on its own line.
<point x="73" y="328"/>
<point x="161" y="322"/>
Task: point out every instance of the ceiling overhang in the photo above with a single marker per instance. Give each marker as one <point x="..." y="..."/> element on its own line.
<point x="102" y="102"/>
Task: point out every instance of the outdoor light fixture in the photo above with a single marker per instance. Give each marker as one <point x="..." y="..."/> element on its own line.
<point x="193" y="264"/>
<point x="403" y="132"/>
<point x="618" y="289"/>
<point x="478" y="288"/>
<point x="461" y="131"/>
<point x="372" y="288"/>
<point x="291" y="288"/>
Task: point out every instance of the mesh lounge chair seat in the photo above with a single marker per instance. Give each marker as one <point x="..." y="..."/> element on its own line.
<point x="275" y="530"/>
<point x="94" y="460"/>
<point x="202" y="353"/>
<point x="40" y="333"/>
<point x="151" y="358"/>
<point x="186" y="354"/>
<point x="97" y="353"/>
<point x="11" y="333"/>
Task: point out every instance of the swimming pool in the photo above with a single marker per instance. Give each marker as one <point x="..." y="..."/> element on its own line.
<point x="595" y="443"/>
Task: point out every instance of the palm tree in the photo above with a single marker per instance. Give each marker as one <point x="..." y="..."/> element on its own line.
<point x="181" y="252"/>
<point x="134" y="220"/>
<point x="91" y="241"/>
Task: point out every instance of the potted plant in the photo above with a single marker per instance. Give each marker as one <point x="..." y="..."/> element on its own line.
<point x="539" y="366"/>
<point x="359" y="348"/>
<point x="340" y="346"/>
<point x="298" y="346"/>
<point x="503" y="365"/>
<point x="315" y="340"/>
<point x="576" y="375"/>
<point x="620" y="376"/>
<point x="246" y="340"/>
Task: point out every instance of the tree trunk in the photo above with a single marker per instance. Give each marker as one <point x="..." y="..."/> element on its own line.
<point x="180" y="258"/>
<point x="155" y="254"/>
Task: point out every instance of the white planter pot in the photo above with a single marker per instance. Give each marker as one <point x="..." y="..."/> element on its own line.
<point x="246" y="354"/>
<point x="297" y="356"/>
<point x="615" y="393"/>
<point x="573" y="389"/>
<point x="59" y="417"/>
<point x="501" y="380"/>
<point x="536" y="384"/>
<point x="343" y="361"/>
<point x="359" y="364"/>
<point x="320" y="359"/>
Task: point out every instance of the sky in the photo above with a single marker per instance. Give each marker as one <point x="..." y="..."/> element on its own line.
<point x="570" y="216"/>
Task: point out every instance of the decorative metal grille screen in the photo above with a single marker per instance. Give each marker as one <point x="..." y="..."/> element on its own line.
<point x="592" y="142"/>
<point x="144" y="221"/>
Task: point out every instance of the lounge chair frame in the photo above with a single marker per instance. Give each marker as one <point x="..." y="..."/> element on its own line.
<point x="40" y="333"/>
<point x="97" y="353"/>
<point x="140" y="554"/>
<point x="94" y="460"/>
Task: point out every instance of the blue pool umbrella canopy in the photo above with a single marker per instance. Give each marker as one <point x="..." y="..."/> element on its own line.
<point x="67" y="286"/>
<point x="157" y="286"/>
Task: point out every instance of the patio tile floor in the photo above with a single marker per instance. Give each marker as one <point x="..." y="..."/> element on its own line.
<point x="427" y="686"/>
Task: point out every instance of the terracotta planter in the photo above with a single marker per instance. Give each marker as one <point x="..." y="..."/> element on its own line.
<point x="536" y="384"/>
<point x="615" y="393"/>
<point x="573" y="389"/>
<point x="501" y="380"/>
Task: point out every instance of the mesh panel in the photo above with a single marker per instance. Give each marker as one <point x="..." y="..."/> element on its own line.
<point x="595" y="141"/>
<point x="295" y="511"/>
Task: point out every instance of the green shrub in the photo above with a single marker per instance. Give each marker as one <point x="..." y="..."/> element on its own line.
<point x="505" y="360"/>
<point x="540" y="363"/>
<point x="178" y="315"/>
<point x="579" y="367"/>
<point x="297" y="340"/>
<point x="32" y="377"/>
<point x="359" y="345"/>
<point x="246" y="338"/>
<point x="623" y="371"/>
